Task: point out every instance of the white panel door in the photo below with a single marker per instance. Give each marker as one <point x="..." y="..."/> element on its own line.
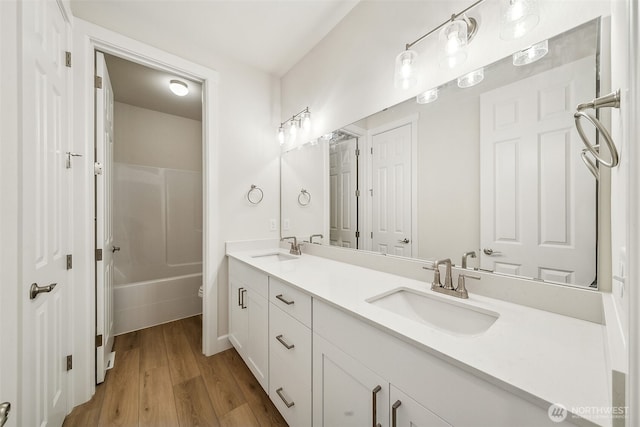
<point x="391" y="191"/>
<point x="104" y="218"/>
<point x="45" y="213"/>
<point x="343" y="179"/>
<point x="538" y="201"/>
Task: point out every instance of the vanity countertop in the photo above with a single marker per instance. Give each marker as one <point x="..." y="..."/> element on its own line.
<point x="543" y="357"/>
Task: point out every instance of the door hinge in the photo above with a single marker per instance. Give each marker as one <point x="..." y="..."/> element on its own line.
<point x="69" y="262"/>
<point x="98" y="340"/>
<point x="357" y="193"/>
<point x="69" y="362"/>
<point x="98" y="82"/>
<point x="97" y="168"/>
<point x="67" y="59"/>
<point x="98" y="254"/>
<point x="372" y="234"/>
<point x="371" y="150"/>
<point x="357" y="234"/>
<point x="357" y="152"/>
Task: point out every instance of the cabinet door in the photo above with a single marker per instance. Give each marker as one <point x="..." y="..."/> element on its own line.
<point x="258" y="339"/>
<point x="406" y="412"/>
<point x="238" y="316"/>
<point x="345" y="392"/>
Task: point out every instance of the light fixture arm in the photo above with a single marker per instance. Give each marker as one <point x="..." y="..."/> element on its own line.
<point x="295" y="117"/>
<point x="470" y="22"/>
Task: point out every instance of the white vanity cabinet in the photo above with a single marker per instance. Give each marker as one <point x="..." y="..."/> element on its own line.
<point x="345" y="392"/>
<point x="249" y="318"/>
<point x="290" y="352"/>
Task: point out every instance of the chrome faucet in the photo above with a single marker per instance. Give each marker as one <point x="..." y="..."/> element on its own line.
<point x="295" y="247"/>
<point x="315" y="235"/>
<point x="471" y="254"/>
<point x="460" y="291"/>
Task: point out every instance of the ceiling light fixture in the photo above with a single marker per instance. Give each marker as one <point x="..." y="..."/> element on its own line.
<point x="518" y="17"/>
<point x="178" y="87"/>
<point x="531" y="54"/>
<point x="471" y="79"/>
<point x="299" y="120"/>
<point x="456" y="34"/>
<point x="427" y="96"/>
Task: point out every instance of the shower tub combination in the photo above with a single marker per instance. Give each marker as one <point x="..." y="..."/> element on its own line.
<point x="158" y="225"/>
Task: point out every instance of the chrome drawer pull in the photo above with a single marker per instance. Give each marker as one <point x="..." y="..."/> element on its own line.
<point x="239" y="297"/>
<point x="394" y="413"/>
<point x="284" y="343"/>
<point x="281" y="298"/>
<point x="374" y="405"/>
<point x="284" y="399"/>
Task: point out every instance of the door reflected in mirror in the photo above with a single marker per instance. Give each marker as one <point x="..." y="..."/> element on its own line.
<point x="493" y="169"/>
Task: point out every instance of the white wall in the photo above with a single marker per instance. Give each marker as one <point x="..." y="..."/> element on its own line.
<point x="349" y="74"/>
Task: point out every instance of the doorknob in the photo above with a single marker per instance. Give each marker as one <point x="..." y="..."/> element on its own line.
<point x="36" y="290"/>
<point x="405" y="240"/>
<point x="115" y="249"/>
<point x="5" y="408"/>
<point x="489" y="251"/>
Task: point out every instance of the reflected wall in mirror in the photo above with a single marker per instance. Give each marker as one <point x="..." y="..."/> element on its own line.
<point x="492" y="169"/>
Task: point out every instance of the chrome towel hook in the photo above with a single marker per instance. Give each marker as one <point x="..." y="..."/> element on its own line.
<point x="611" y="100"/>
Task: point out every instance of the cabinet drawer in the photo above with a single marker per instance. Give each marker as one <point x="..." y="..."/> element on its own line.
<point x="249" y="277"/>
<point x="406" y="412"/>
<point x="292" y="301"/>
<point x="290" y="342"/>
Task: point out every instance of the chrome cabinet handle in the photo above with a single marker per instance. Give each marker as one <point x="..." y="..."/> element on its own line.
<point x="374" y="405"/>
<point x="284" y="343"/>
<point x="5" y="408"/>
<point x="36" y="290"/>
<point x="394" y="413"/>
<point x="489" y="251"/>
<point x="281" y="298"/>
<point x="284" y="399"/>
<point x="244" y="291"/>
<point x="240" y="297"/>
<point x="115" y="249"/>
<point x="405" y="240"/>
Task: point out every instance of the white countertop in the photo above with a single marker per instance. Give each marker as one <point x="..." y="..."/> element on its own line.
<point x="541" y="356"/>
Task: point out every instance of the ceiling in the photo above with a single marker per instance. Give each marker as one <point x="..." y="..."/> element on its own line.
<point x="270" y="35"/>
<point x="146" y="87"/>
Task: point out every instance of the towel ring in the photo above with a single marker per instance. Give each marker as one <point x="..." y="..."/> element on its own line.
<point x="255" y="194"/>
<point x="611" y="100"/>
<point x="605" y="134"/>
<point x="304" y="198"/>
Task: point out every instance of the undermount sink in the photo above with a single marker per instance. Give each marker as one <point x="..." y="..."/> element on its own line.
<point x="275" y="256"/>
<point x="450" y="316"/>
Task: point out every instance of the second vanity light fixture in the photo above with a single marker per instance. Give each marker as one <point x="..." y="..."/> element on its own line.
<point x="299" y="120"/>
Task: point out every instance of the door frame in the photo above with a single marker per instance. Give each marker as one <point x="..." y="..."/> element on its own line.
<point x="367" y="221"/>
<point x="88" y="38"/>
<point x="10" y="275"/>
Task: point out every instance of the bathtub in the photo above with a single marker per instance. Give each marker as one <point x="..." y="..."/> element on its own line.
<point x="143" y="304"/>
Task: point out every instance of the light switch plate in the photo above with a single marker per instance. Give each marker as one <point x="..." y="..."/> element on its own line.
<point x="285" y="224"/>
<point x="272" y="224"/>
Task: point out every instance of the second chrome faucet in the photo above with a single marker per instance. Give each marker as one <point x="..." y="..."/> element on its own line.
<point x="447" y="288"/>
<point x="295" y="247"/>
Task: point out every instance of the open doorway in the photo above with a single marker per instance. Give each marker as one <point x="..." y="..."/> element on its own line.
<point x="149" y="200"/>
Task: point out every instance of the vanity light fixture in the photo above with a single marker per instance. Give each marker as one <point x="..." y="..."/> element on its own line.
<point x="518" y="17"/>
<point x="531" y="54"/>
<point x="427" y="96"/>
<point x="178" y="87"/>
<point x="456" y="34"/>
<point x="471" y="79"/>
<point x="301" y="119"/>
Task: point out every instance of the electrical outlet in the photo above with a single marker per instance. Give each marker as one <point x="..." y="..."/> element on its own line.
<point x="286" y="225"/>
<point x="272" y="224"/>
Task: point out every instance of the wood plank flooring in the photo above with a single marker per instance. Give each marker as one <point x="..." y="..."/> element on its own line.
<point x="162" y="379"/>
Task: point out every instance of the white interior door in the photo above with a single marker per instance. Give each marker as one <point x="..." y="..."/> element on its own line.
<point x="391" y="191"/>
<point x="343" y="181"/>
<point x="104" y="219"/>
<point x="538" y="201"/>
<point x="45" y="214"/>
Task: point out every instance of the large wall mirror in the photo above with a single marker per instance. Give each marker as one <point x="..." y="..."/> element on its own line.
<point x="492" y="170"/>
